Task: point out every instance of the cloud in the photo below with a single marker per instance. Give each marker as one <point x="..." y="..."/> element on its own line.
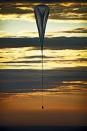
<point x="68" y="11"/>
<point x="44" y="56"/>
<point x="9" y="16"/>
<point x="42" y="1"/>
<point x="66" y="43"/>
<point x="27" y="34"/>
<point x="16" y="11"/>
<point x="71" y="61"/>
<point x="23" y="62"/>
<point x="77" y="30"/>
<point x="30" y="58"/>
<point x="82" y="59"/>
<point x="5" y="34"/>
<point x="68" y="16"/>
<point x="13" y="10"/>
<point x="50" y="43"/>
<point x="24" y="17"/>
<point x="57" y="10"/>
<point x="25" y="80"/>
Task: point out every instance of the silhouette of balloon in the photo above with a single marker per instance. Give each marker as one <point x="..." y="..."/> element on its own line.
<point x="41" y="15"/>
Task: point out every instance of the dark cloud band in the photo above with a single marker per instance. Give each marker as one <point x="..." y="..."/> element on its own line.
<point x="15" y="80"/>
<point x="44" y="1"/>
<point x="50" y="43"/>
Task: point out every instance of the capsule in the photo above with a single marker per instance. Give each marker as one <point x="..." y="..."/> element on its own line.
<point x="42" y="107"/>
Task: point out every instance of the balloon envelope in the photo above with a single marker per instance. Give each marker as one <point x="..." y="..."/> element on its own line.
<point x="41" y="15"/>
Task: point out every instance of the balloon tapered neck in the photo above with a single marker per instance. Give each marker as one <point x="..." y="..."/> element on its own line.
<point x="42" y="43"/>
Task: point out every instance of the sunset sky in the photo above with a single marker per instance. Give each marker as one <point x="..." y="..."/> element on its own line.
<point x="65" y="64"/>
<point x="66" y="19"/>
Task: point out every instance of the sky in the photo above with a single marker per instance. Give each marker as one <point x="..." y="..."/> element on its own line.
<point x="66" y="19"/>
<point x="65" y="64"/>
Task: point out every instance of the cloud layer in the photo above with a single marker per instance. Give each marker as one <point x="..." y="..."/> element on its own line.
<point x="57" y="10"/>
<point x="50" y="43"/>
<point x="27" y="80"/>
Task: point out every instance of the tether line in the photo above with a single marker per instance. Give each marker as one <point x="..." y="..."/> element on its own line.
<point x="42" y="78"/>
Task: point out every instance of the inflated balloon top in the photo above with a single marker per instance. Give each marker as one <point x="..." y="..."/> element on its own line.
<point x="41" y="15"/>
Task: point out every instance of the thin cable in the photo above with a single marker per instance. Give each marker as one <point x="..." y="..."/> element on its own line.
<point x="42" y="82"/>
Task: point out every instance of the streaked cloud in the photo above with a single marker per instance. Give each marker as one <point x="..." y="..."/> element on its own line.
<point x="57" y="10"/>
<point x="78" y="30"/>
<point x="56" y="81"/>
<point x="27" y="34"/>
<point x="13" y="9"/>
<point x="64" y="87"/>
<point x="69" y="11"/>
<point x="28" y="17"/>
<point x="15" y="58"/>
<point x="5" y="34"/>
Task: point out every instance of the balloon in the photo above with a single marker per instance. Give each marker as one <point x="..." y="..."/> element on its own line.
<point x="41" y="15"/>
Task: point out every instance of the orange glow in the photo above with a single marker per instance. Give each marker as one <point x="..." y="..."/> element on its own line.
<point x="25" y="109"/>
<point x="32" y="101"/>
